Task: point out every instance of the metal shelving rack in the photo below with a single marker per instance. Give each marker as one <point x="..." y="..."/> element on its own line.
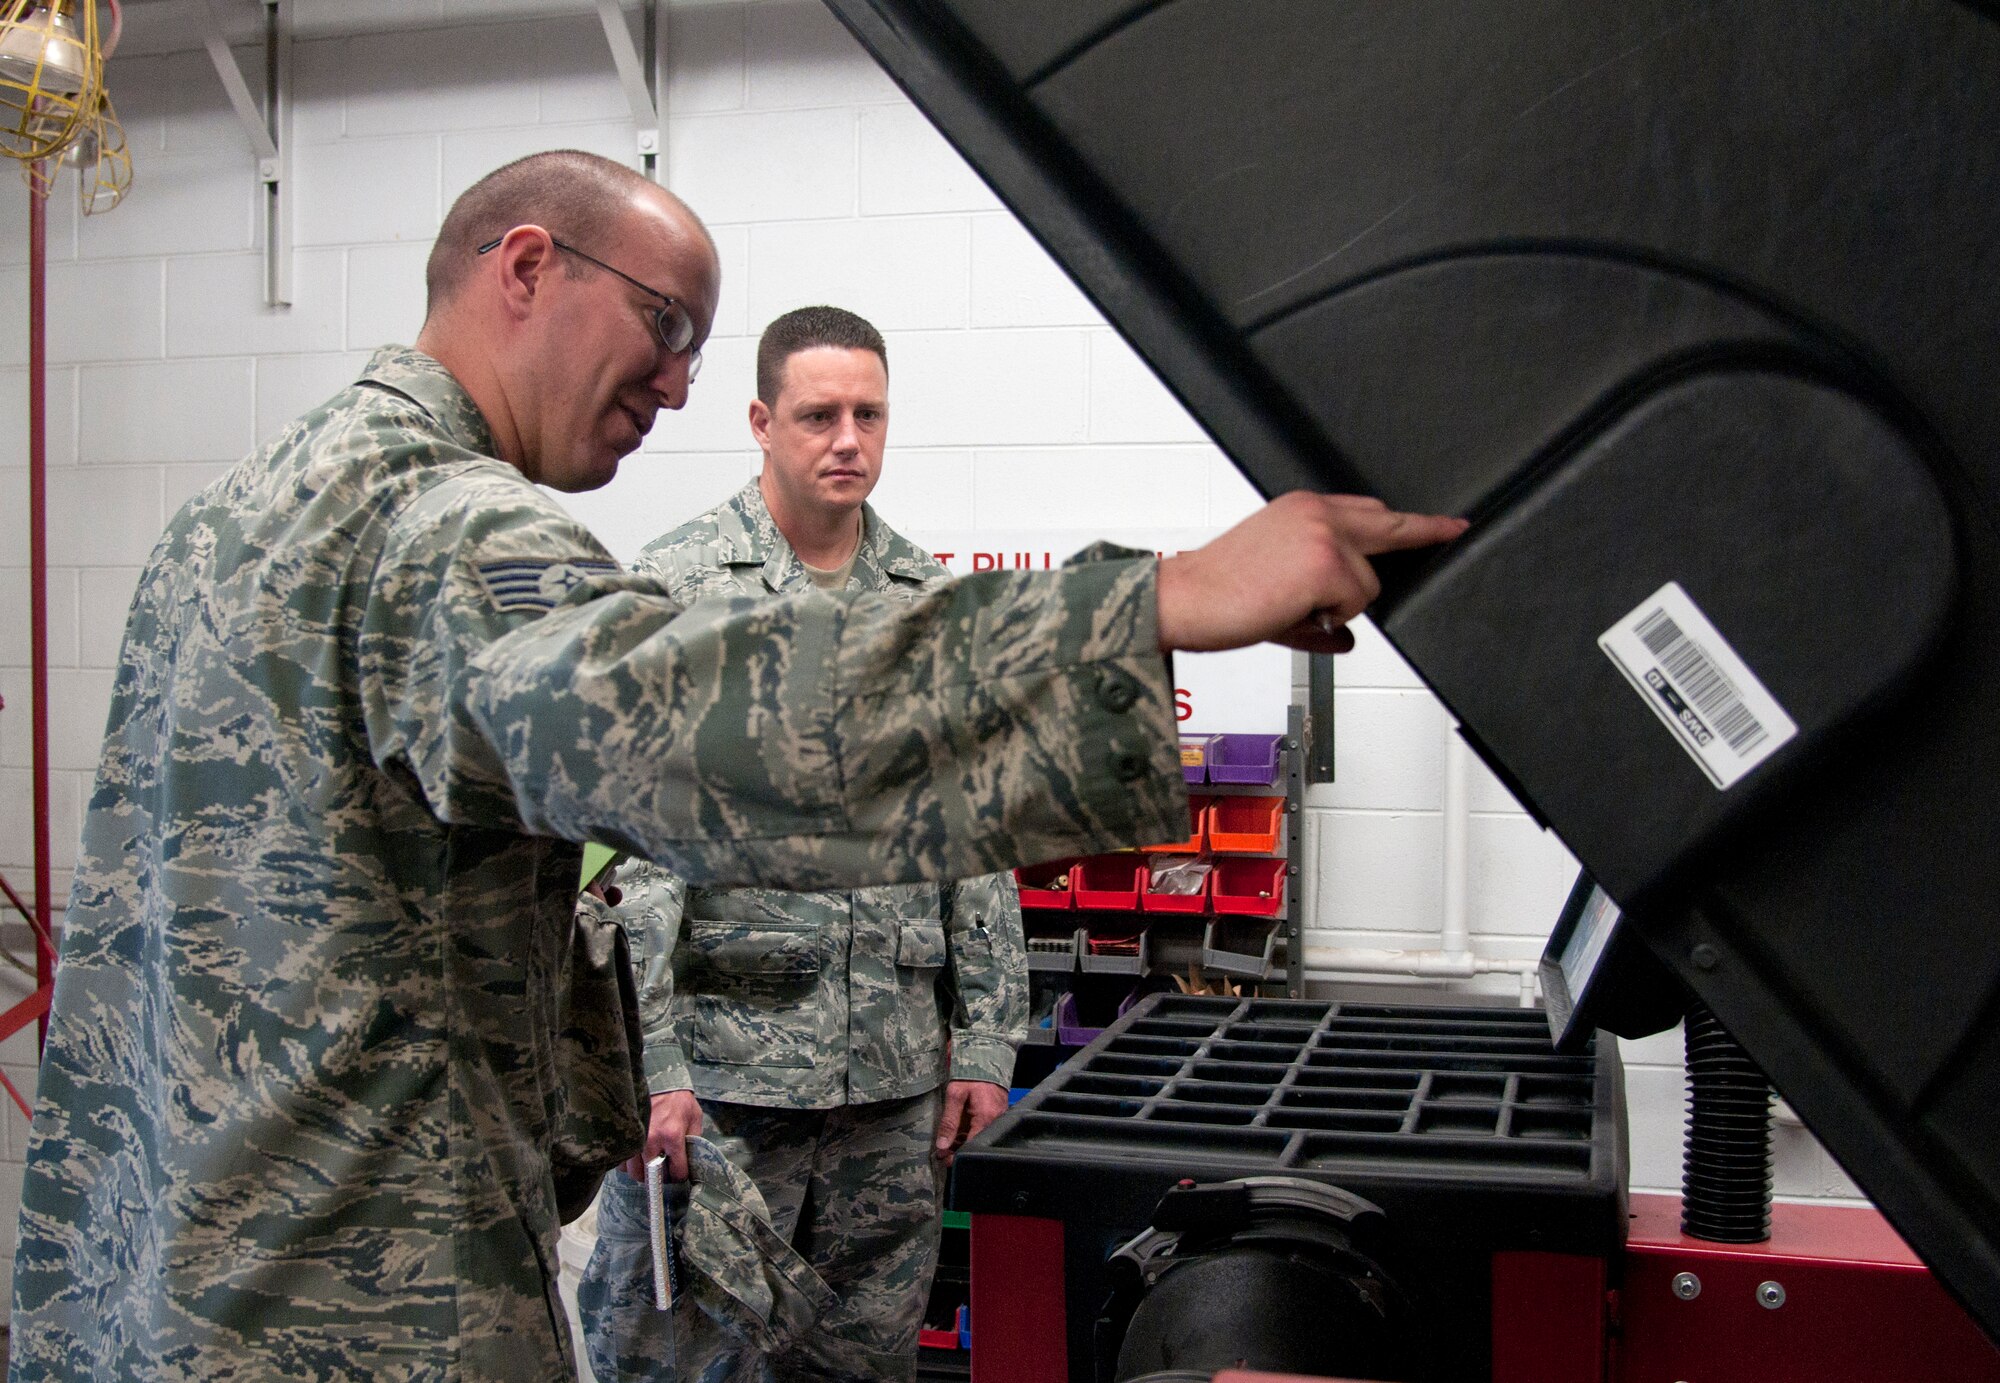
<point x="1171" y="942"/>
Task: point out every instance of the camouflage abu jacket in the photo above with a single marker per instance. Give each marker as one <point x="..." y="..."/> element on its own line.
<point x="809" y="1000"/>
<point x="294" y="1114"/>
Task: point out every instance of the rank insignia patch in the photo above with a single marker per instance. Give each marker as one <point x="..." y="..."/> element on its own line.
<point x="527" y="584"/>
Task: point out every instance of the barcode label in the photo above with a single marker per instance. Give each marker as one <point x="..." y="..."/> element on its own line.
<point x="1693" y="680"/>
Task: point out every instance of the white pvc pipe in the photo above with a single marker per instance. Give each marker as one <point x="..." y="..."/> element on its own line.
<point x="1455" y="933"/>
<point x="1368" y="960"/>
<point x="1329" y="962"/>
<point x="1453" y="958"/>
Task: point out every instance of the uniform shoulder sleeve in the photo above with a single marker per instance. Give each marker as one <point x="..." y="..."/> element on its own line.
<point x="475" y="558"/>
<point x="651" y="910"/>
<point x="989" y="964"/>
<point x="799" y="742"/>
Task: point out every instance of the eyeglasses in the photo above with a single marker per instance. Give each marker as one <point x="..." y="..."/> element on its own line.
<point x="671" y="323"/>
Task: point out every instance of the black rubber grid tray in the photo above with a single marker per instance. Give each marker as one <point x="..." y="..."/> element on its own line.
<point x="1373" y="1082"/>
<point x="1380" y="1099"/>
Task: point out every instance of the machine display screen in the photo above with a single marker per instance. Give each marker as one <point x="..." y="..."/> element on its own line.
<point x="1595" y="922"/>
<point x="1582" y="952"/>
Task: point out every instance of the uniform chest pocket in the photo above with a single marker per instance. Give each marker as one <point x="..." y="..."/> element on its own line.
<point x="757" y="948"/>
<point x="917" y="1029"/>
<point x="755" y="994"/>
<point x="920" y="946"/>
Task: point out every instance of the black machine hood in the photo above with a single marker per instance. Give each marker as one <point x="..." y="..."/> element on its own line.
<point x="1692" y="307"/>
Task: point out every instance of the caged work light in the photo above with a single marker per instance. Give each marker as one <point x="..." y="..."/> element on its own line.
<point x="51" y="75"/>
<point x="100" y="157"/>
<point x="102" y="162"/>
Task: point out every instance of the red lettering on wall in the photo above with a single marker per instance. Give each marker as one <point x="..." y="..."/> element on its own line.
<point x="1183" y="704"/>
<point x="985" y="561"/>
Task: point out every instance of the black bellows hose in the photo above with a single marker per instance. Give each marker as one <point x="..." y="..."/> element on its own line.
<point x="1726" y="1172"/>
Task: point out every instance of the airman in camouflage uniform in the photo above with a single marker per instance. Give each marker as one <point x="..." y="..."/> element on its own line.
<point x="814" y="1027"/>
<point x="295" y="1108"/>
<point x="300" y="1078"/>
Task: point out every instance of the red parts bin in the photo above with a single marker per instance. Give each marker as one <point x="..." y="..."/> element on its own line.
<point x="1245" y="825"/>
<point x="1238" y="886"/>
<point x="1198" y="819"/>
<point x="1150" y="901"/>
<point x="943" y="1322"/>
<point x="1111" y="882"/>
<point x="1243" y="758"/>
<point x="1038" y="889"/>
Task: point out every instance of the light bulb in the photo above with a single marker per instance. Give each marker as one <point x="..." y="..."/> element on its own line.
<point x="83" y="150"/>
<point x="44" y="50"/>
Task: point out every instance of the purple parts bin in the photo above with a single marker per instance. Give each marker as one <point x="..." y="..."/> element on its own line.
<point x="1070" y="1020"/>
<point x="1194" y="757"/>
<point x="1243" y="758"/>
<point x="1069" y="1029"/>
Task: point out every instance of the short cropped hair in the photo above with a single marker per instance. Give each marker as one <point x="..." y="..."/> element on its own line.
<point x="808" y="328"/>
<point x="577" y="197"/>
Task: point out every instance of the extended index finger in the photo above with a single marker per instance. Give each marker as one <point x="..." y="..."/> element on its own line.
<point x="1391" y="530"/>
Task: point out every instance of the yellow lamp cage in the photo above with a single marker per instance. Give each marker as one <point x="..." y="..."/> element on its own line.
<point x="51" y="75"/>
<point x="102" y="162"/>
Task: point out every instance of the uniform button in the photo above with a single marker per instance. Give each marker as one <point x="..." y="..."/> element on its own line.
<point x="1117" y="694"/>
<point x="1129" y="767"/>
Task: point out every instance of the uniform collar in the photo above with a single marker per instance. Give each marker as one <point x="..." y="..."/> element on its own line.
<point x="431" y="387"/>
<point x="747" y="536"/>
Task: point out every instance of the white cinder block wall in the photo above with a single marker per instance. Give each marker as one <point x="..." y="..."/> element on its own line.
<point x="1015" y="407"/>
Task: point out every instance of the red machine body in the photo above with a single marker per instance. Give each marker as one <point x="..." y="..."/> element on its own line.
<point x="1852" y="1304"/>
<point x="1018" y="1311"/>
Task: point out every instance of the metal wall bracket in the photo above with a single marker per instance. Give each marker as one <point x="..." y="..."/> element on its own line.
<point x="1319" y="713"/>
<point x="268" y="126"/>
<point x="642" y="82"/>
<point x="269" y="130"/>
<point x="1299" y="733"/>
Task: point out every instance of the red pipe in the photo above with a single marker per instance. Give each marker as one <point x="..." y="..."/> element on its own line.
<point x="38" y="563"/>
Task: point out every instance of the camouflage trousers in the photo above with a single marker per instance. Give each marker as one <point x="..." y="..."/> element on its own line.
<point x="857" y="1194"/>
